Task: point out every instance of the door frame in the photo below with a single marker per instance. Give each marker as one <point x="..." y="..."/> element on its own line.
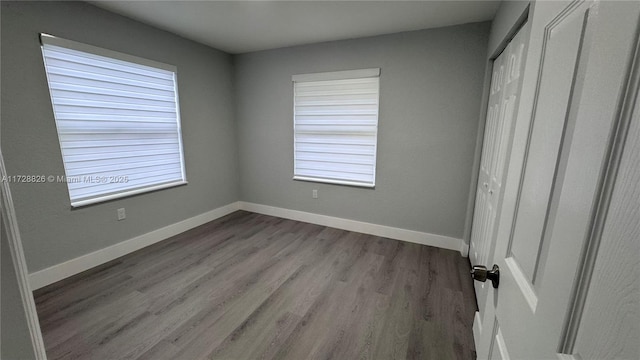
<point x="20" y="265"/>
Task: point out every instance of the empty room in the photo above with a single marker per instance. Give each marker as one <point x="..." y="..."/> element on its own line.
<point x="320" y="179"/>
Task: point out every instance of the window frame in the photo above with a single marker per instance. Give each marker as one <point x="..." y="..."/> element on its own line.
<point x="328" y="76"/>
<point x="47" y="39"/>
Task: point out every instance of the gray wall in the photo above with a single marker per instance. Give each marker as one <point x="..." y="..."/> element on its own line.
<point x="505" y="24"/>
<point x="51" y="232"/>
<point x="431" y="87"/>
<point x="15" y="341"/>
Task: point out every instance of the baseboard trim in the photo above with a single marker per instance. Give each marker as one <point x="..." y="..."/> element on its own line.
<point x="477" y="334"/>
<point x="464" y="248"/>
<point x="477" y="326"/>
<point x="77" y="265"/>
<point x="418" y="237"/>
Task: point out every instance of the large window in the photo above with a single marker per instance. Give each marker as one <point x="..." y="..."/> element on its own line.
<point x="117" y="118"/>
<point x="336" y="127"/>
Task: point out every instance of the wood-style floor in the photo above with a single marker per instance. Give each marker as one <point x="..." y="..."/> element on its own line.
<point x="250" y="286"/>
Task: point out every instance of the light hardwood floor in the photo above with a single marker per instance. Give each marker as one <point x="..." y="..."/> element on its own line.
<point x="250" y="286"/>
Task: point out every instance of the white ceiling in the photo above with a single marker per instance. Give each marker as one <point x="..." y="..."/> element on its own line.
<point x="245" y="26"/>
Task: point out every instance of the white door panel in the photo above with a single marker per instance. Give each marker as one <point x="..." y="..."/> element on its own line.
<point x="498" y="347"/>
<point x="576" y="66"/>
<point x="559" y="63"/>
<point x="610" y="325"/>
<point x="501" y="110"/>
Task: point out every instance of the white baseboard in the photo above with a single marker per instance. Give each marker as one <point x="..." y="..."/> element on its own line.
<point x="63" y="270"/>
<point x="71" y="267"/>
<point x="477" y="326"/>
<point x="477" y="335"/>
<point x="418" y="237"/>
<point x="464" y="249"/>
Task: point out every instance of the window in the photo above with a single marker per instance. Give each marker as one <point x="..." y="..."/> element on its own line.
<point x="117" y="118"/>
<point x="336" y="127"/>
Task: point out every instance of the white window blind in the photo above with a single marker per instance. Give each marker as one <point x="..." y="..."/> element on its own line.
<point x="117" y="118"/>
<point x="336" y="127"/>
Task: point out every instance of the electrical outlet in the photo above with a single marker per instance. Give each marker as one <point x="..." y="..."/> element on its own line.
<point x="314" y="194"/>
<point x="121" y="214"/>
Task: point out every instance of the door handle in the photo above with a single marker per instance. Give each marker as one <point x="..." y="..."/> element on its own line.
<point x="480" y="273"/>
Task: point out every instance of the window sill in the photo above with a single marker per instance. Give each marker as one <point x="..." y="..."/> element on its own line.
<point x="335" y="182"/>
<point x="125" y="194"/>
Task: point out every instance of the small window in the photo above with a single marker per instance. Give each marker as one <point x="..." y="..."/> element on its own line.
<point x="117" y="118"/>
<point x="336" y="127"/>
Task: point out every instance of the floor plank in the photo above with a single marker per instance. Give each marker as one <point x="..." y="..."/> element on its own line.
<point x="250" y="286"/>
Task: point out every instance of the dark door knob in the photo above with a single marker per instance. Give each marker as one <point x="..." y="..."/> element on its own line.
<point x="481" y="274"/>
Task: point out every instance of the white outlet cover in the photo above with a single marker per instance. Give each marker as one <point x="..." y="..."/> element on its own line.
<point x="121" y="214"/>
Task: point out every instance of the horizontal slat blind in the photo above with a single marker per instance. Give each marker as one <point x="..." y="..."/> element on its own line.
<point x="118" y="123"/>
<point x="336" y="128"/>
